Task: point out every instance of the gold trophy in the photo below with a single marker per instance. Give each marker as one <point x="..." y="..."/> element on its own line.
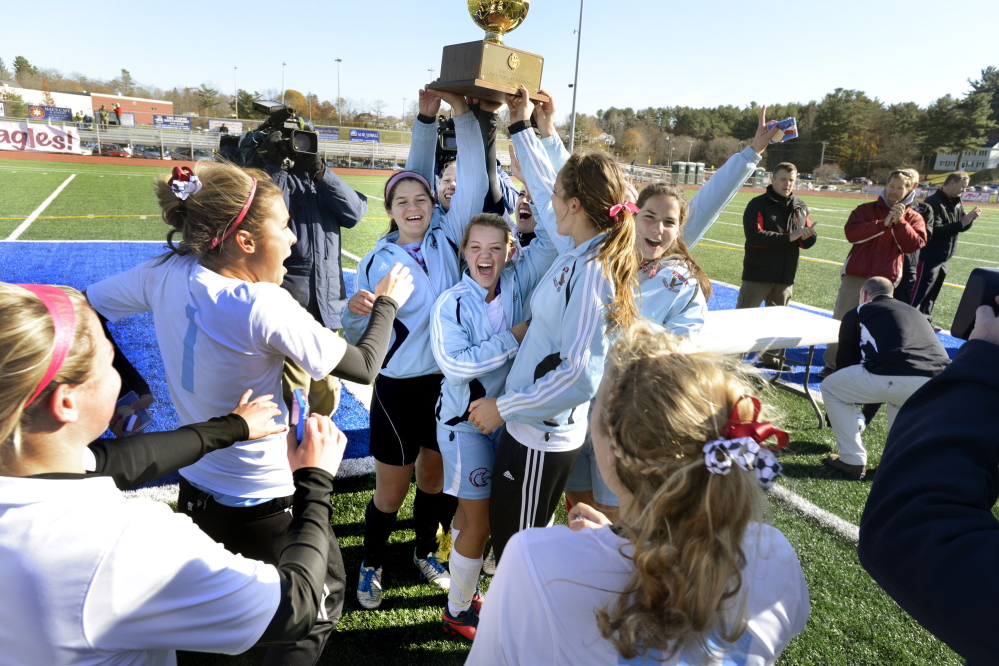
<point x="489" y="69"/>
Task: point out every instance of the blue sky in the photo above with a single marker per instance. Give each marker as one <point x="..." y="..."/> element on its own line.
<point x="636" y="53"/>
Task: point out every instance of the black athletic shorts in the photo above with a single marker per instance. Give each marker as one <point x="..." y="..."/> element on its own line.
<point x="403" y="419"/>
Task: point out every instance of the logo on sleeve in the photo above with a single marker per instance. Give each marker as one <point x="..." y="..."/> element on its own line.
<point x="560" y="280"/>
<point x="675" y="281"/>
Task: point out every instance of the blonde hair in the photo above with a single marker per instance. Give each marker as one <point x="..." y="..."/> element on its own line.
<point x="687" y="524"/>
<point x="207" y="214"/>
<point x="595" y="179"/>
<point x="27" y="341"/>
<point x="678" y="249"/>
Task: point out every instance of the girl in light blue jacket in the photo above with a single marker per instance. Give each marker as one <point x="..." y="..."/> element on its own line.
<point x="588" y="290"/>
<point x="403" y="429"/>
<point x="477" y="327"/>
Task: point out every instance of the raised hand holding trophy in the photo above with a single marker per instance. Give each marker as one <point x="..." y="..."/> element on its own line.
<point x="489" y="69"/>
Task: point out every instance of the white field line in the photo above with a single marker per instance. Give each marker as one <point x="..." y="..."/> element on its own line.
<point x="349" y="255"/>
<point x="38" y="211"/>
<point x="795" y="502"/>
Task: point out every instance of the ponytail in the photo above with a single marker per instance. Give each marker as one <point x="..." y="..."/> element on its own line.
<point x="595" y="179"/>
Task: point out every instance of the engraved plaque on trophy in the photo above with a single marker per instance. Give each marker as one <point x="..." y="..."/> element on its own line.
<point x="489" y="69"/>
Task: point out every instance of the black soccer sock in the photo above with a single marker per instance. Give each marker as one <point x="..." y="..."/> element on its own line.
<point x="446" y="507"/>
<point x="377" y="528"/>
<point x="425" y="520"/>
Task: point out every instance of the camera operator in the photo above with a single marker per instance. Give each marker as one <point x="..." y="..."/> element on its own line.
<point x="320" y="205"/>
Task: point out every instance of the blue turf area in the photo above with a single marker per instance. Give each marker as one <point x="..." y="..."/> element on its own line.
<point x="83" y="263"/>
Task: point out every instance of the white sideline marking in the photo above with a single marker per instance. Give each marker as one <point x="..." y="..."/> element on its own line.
<point x="799" y="504"/>
<point x="38" y="211"/>
<point x="349" y="255"/>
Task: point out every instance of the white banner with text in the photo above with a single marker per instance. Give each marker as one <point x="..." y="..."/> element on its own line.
<point x="35" y="138"/>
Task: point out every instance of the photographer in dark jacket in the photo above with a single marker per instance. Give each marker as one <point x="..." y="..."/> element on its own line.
<point x="320" y="204"/>
<point x="949" y="219"/>
<point x="777" y="226"/>
<point x="928" y="535"/>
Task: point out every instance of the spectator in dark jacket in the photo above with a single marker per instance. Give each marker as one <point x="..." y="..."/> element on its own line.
<point x="777" y="225"/>
<point x="881" y="233"/>
<point x="928" y="535"/>
<point x="887" y="350"/>
<point x="320" y="204"/>
<point x="949" y="219"/>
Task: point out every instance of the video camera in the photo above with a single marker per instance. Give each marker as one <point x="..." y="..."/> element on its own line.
<point x="447" y="142"/>
<point x="296" y="139"/>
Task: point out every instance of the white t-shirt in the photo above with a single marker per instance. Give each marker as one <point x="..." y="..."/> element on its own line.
<point x="218" y="337"/>
<point x="497" y="318"/>
<point x="89" y="577"/>
<point x="540" y="608"/>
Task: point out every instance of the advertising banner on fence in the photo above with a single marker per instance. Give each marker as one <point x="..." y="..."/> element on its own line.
<point x="128" y="120"/>
<point x="976" y="196"/>
<point x="172" y="122"/>
<point x="55" y="113"/>
<point x="328" y="133"/>
<point x="231" y="126"/>
<point x="368" y="136"/>
<point x="31" y="138"/>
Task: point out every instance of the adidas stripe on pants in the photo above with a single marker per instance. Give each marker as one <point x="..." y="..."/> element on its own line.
<point x="527" y="487"/>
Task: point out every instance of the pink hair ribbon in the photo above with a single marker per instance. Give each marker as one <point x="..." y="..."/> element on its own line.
<point x="753" y="428"/>
<point x="64" y="324"/>
<point x="239" y="218"/>
<point x="627" y="205"/>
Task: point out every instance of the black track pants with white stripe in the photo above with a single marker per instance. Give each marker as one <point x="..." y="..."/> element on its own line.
<point x="527" y="487"/>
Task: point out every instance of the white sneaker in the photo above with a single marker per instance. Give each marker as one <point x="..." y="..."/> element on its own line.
<point x="369" y="587"/>
<point x="489" y="564"/>
<point x="433" y="571"/>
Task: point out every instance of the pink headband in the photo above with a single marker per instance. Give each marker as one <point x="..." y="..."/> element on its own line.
<point x="627" y="205"/>
<point x="63" y="321"/>
<point x="239" y="218"/>
<point x="404" y="174"/>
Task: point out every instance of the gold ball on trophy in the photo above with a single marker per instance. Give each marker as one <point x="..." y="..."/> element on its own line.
<point x="497" y="17"/>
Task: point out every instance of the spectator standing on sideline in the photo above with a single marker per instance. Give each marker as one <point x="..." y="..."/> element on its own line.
<point x="103" y="115"/>
<point x="928" y="535"/>
<point x="881" y="231"/>
<point x="887" y="350"/>
<point x="907" y="282"/>
<point x="949" y="219"/>
<point x="777" y="226"/>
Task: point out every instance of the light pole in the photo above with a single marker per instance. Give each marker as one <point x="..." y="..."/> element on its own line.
<point x="282" y="81"/>
<point x="431" y="70"/>
<point x="822" y="159"/>
<point x="235" y="92"/>
<point x="575" y="80"/>
<point x="339" y="102"/>
<point x="309" y="95"/>
<point x="403" y="110"/>
<point x="690" y="144"/>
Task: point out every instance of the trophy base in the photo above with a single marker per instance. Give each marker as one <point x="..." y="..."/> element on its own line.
<point x="490" y="71"/>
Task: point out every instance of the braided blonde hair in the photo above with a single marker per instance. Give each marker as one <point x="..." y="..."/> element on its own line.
<point x="686" y="525"/>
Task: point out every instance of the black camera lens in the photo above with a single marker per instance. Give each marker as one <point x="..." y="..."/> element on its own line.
<point x="301" y="143"/>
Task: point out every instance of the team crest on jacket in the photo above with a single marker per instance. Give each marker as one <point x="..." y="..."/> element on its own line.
<point x="560" y="280"/>
<point x="433" y="241"/>
<point x="675" y="281"/>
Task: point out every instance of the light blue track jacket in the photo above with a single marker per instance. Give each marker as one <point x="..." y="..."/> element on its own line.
<point x="561" y="361"/>
<point x="409" y="353"/>
<point x="475" y="360"/>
